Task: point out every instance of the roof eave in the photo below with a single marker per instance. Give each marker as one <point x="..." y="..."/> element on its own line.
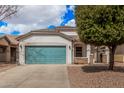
<point x="50" y="33"/>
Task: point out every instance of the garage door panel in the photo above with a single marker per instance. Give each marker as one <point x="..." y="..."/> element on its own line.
<point x="46" y="55"/>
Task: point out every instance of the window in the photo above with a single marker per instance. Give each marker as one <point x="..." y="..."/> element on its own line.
<point x="78" y="51"/>
<point x="2" y="50"/>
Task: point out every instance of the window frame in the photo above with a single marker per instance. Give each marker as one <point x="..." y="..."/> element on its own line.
<point x="79" y="52"/>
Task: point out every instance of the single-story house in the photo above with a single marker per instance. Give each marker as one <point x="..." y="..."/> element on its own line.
<point x="58" y="46"/>
<point x="8" y="47"/>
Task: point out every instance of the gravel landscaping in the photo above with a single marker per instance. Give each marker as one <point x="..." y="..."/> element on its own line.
<point x="96" y="76"/>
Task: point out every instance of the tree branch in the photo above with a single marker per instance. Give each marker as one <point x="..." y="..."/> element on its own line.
<point x="7" y="11"/>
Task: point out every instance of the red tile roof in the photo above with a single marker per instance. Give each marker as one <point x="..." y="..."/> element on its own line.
<point x="3" y="43"/>
<point x="12" y="39"/>
<point x="7" y="40"/>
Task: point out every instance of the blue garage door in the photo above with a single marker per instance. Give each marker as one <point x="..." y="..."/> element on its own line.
<point x="46" y="55"/>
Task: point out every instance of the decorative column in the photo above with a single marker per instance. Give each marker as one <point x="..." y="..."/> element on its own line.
<point x="21" y="54"/>
<point x="88" y="52"/>
<point x="17" y="55"/>
<point x="73" y="60"/>
<point x="107" y="55"/>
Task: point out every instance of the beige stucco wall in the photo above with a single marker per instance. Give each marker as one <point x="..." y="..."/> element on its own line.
<point x="120" y="49"/>
<point x="45" y="40"/>
<point x="2" y="57"/>
<point x="119" y="58"/>
<point x="5" y="56"/>
<point x="70" y="33"/>
<point x="119" y="54"/>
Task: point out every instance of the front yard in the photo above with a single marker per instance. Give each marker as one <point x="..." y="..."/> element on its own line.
<point x="79" y="76"/>
<point x="96" y="76"/>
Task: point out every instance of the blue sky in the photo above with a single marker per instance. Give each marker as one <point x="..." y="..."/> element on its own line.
<point x="69" y="15"/>
<point x="57" y="16"/>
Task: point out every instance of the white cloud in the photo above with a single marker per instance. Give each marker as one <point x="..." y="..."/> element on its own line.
<point x="35" y="17"/>
<point x="71" y="23"/>
<point x="39" y="14"/>
<point x="72" y="7"/>
<point x="22" y="28"/>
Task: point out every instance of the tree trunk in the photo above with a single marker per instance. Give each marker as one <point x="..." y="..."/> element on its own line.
<point x="111" y="57"/>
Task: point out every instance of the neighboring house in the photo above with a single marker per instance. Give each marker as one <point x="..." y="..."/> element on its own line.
<point x="8" y="47"/>
<point x="119" y="53"/>
<point x="58" y="46"/>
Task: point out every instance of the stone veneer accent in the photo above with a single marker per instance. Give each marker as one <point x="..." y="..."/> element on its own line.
<point x="80" y="60"/>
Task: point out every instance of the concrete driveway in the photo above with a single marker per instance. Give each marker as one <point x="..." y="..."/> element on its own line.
<point x="35" y="76"/>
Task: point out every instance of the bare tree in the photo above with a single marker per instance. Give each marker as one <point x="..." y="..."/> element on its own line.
<point x="7" y="11"/>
